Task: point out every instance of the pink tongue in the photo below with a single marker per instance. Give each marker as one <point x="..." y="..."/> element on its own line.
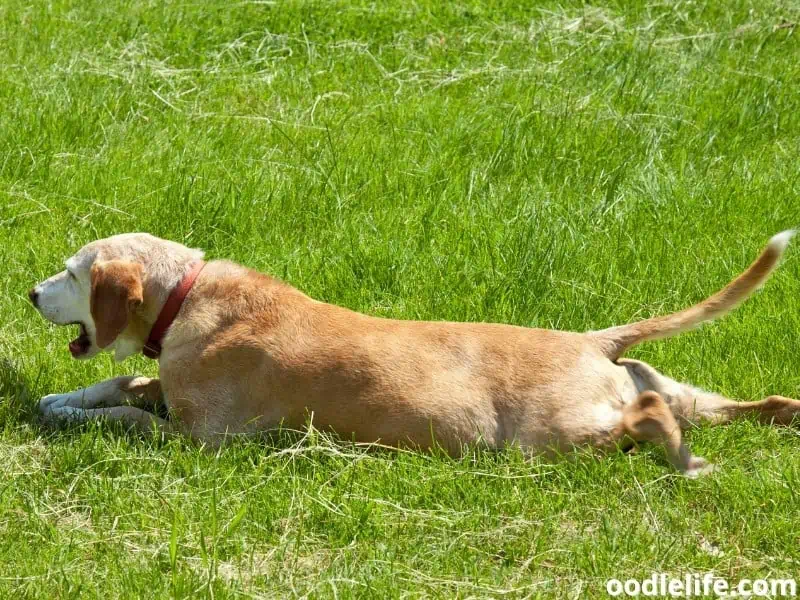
<point x="75" y="347"/>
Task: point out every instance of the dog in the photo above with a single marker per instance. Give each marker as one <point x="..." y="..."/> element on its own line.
<point x="240" y="352"/>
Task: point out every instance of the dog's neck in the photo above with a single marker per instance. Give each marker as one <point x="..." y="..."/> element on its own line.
<point x="170" y="309"/>
<point x="160" y="281"/>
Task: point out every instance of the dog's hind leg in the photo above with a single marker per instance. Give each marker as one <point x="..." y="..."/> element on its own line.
<point x="649" y="419"/>
<point x="692" y="406"/>
<point x="704" y="407"/>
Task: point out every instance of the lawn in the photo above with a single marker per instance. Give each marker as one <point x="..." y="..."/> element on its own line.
<point x="559" y="165"/>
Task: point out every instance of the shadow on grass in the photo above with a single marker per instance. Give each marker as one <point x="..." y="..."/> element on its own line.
<point x="15" y="395"/>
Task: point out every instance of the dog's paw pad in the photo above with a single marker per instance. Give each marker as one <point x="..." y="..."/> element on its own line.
<point x="697" y="467"/>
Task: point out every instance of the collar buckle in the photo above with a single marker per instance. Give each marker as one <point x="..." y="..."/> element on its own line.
<point x="152" y="350"/>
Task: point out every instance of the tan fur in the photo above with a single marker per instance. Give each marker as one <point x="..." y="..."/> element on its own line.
<point x="116" y="294"/>
<point x="248" y="353"/>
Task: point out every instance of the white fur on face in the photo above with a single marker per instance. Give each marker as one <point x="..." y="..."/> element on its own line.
<point x="65" y="298"/>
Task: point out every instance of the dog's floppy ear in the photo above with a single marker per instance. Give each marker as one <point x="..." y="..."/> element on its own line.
<point x="116" y="293"/>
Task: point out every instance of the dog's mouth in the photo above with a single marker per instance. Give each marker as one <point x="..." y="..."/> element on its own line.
<point x="81" y="345"/>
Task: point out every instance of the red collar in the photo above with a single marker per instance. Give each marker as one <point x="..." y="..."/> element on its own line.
<point x="152" y="349"/>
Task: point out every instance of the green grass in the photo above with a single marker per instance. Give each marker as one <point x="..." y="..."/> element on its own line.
<point x="561" y="165"/>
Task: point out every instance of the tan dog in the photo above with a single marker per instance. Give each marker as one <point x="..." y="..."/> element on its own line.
<point x="248" y="353"/>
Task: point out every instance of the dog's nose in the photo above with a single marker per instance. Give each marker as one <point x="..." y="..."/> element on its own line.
<point x="34" y="297"/>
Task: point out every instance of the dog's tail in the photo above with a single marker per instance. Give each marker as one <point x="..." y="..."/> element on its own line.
<point x="616" y="340"/>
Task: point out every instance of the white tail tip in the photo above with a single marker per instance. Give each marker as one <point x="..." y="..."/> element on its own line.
<point x="781" y="240"/>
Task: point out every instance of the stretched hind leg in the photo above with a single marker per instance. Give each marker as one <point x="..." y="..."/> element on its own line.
<point x="702" y="407"/>
<point x="692" y="406"/>
<point x="650" y="419"/>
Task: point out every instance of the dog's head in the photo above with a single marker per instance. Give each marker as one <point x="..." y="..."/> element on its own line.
<point x="113" y="290"/>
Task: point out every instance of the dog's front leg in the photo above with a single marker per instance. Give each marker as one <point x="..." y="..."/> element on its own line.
<point x="130" y="416"/>
<point x="132" y="390"/>
<point x="123" y="399"/>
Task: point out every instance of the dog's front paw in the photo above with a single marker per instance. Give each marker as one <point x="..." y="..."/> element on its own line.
<point x="48" y="403"/>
